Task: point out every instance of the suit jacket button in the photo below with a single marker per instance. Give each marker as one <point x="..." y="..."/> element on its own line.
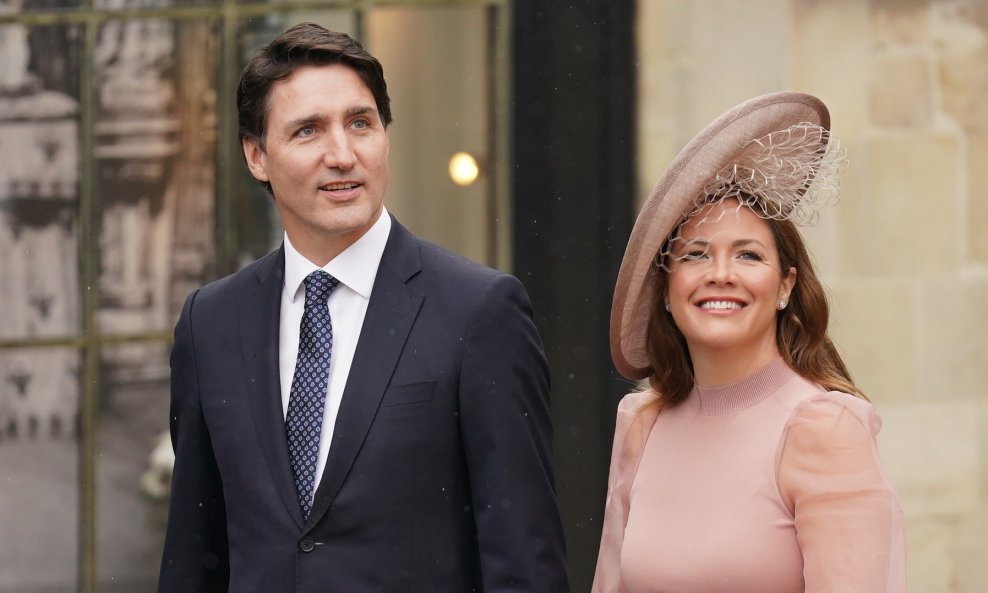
<point x="307" y="544"/>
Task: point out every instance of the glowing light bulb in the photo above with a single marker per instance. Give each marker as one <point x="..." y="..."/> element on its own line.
<point x="463" y="169"/>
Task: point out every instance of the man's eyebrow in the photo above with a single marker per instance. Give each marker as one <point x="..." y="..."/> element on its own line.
<point x="305" y="120"/>
<point x="360" y="110"/>
<point x="320" y="117"/>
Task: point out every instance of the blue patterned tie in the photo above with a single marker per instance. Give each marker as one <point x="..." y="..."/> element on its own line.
<point x="307" y="402"/>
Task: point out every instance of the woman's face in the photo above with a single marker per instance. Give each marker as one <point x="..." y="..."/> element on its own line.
<point x="725" y="283"/>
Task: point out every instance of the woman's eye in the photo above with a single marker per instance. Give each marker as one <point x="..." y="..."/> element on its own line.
<point x="693" y="255"/>
<point x="751" y="256"/>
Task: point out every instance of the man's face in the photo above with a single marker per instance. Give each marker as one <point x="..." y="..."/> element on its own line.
<point x="325" y="156"/>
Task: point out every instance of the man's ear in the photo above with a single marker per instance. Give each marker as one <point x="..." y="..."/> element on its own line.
<point x="254" y="155"/>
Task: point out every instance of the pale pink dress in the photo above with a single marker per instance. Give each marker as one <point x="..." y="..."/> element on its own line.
<point x="768" y="485"/>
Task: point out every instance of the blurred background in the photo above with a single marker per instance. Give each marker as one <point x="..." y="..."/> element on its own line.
<point x="122" y="189"/>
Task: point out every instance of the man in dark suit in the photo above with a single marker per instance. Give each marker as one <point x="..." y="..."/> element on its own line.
<point x="359" y="410"/>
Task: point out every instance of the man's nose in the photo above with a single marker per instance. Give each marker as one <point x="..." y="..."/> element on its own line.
<point x="338" y="151"/>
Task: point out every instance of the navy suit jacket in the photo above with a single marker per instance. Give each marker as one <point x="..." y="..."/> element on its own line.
<point x="439" y="476"/>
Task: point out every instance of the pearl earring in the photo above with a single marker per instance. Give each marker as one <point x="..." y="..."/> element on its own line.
<point x="782" y="304"/>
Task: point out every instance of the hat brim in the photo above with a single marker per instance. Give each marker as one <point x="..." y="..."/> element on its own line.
<point x="719" y="144"/>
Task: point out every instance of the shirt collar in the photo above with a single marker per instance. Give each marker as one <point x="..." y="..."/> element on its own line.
<point x="356" y="267"/>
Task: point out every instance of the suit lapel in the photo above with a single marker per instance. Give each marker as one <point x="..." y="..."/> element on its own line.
<point x="259" y="314"/>
<point x="391" y="312"/>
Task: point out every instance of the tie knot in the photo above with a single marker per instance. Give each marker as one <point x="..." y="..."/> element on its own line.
<point x="318" y="286"/>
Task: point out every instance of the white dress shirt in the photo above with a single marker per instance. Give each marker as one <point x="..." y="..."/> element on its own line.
<point x="356" y="269"/>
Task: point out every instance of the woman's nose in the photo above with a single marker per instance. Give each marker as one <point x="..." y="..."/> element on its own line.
<point x="721" y="270"/>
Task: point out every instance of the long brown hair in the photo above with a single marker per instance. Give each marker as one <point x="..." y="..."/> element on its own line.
<point x="801" y="329"/>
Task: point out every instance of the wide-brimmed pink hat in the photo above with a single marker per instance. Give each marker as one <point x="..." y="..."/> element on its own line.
<point x="723" y="143"/>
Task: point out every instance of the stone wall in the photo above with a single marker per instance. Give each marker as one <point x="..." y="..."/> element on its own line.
<point x="905" y="253"/>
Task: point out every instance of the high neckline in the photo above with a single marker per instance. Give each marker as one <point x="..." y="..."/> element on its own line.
<point x="741" y="395"/>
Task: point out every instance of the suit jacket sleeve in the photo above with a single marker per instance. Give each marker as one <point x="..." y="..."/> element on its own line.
<point x="195" y="555"/>
<point x="505" y="420"/>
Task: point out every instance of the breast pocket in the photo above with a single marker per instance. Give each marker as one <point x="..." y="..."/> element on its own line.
<point x="412" y="393"/>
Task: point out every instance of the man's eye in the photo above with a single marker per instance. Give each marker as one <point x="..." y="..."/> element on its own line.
<point x="361" y="124"/>
<point x="306" y="131"/>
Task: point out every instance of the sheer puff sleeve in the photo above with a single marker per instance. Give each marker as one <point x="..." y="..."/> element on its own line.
<point x="848" y="519"/>
<point x="630" y="433"/>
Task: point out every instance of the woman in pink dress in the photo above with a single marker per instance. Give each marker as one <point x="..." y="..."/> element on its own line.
<point x="750" y="463"/>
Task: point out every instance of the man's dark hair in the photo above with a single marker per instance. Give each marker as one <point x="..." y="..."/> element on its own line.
<point x="305" y="44"/>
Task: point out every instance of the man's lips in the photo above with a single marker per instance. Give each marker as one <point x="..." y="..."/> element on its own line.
<point x="341" y="191"/>
<point x="340" y="186"/>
